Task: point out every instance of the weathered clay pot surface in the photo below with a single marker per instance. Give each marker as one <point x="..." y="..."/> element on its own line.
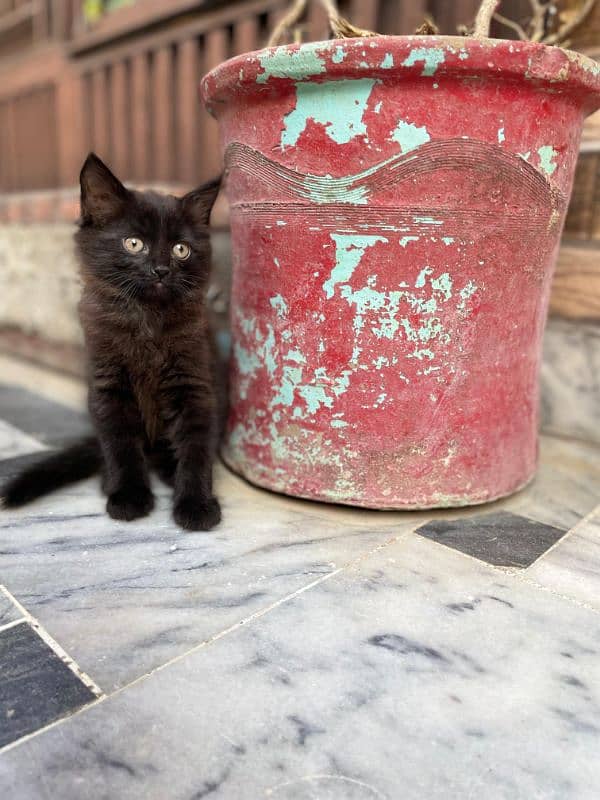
<point x="396" y="208"/>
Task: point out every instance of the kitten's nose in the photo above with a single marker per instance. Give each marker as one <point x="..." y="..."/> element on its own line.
<point x="161" y="272"/>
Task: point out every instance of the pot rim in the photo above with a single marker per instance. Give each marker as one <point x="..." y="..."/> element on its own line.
<point x="429" y="58"/>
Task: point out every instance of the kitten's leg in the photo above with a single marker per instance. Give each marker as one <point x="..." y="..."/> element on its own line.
<point x="162" y="459"/>
<point x="193" y="432"/>
<point x="121" y="433"/>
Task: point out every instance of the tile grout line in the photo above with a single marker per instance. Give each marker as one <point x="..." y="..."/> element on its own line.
<point x="12" y="624"/>
<point x="518" y="573"/>
<point x="54" y="645"/>
<point x="583" y="521"/>
<point x="142" y="678"/>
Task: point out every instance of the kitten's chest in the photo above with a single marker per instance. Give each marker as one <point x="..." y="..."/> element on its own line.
<point x="147" y="363"/>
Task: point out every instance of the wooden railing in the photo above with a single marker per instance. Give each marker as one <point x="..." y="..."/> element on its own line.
<point x="126" y="86"/>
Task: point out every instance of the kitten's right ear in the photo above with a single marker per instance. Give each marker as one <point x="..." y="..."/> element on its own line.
<point x="103" y="196"/>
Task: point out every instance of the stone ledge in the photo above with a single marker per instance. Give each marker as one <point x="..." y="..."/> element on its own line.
<point x="62" y="205"/>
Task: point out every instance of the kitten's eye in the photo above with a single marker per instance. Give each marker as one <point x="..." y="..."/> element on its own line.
<point x="133" y="245"/>
<point x="181" y="250"/>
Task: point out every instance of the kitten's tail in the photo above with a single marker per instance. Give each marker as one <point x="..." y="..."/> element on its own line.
<point x="81" y="460"/>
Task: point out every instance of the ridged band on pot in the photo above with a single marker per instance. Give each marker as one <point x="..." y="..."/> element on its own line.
<point x="396" y="209"/>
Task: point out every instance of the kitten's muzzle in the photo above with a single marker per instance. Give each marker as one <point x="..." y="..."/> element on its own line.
<point x="161" y="272"/>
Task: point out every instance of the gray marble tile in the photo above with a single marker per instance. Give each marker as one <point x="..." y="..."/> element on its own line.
<point x="37" y="688"/>
<point x="499" y="538"/>
<point x="13" y="442"/>
<point x="570" y="379"/>
<point x="42" y="419"/>
<point x="573" y="567"/>
<point x="124" y="598"/>
<point x="418" y="674"/>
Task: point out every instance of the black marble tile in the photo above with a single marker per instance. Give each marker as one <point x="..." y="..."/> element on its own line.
<point x="501" y="538"/>
<point x="36" y="687"/>
<point x="51" y="423"/>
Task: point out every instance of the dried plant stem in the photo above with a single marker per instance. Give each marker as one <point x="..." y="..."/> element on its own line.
<point x="340" y="27"/>
<point x="561" y="35"/>
<point x="512" y="24"/>
<point x="483" y="20"/>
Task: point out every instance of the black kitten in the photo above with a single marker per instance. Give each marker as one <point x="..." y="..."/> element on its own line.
<point x="145" y="261"/>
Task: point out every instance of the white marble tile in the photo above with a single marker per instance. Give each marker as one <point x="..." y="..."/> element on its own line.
<point x="123" y="599"/>
<point x="418" y="674"/>
<point x="570" y="379"/>
<point x="14" y="442"/>
<point x="572" y="568"/>
<point x="8" y="611"/>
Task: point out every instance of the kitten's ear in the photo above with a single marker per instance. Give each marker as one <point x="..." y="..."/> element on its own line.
<point x="103" y="196"/>
<point x="198" y="203"/>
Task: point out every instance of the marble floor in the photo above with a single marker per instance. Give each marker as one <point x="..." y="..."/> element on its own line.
<point x="299" y="651"/>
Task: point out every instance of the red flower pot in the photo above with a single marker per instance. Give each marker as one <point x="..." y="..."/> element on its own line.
<point x="396" y="209"/>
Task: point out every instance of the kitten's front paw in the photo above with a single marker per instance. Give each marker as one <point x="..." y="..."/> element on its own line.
<point x="197" y="513"/>
<point x="130" y="503"/>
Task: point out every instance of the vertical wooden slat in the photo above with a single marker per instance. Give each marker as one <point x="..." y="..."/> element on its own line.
<point x="100" y="113"/>
<point x="187" y="111"/>
<point x="140" y="117"/>
<point x="121" y="127"/>
<point x="162" y="120"/>
<point x="400" y="17"/>
<point x="72" y="107"/>
<point x="449" y="15"/>
<point x="215" y="51"/>
<point x="363" y="13"/>
<point x="245" y="35"/>
<point x="317" y="23"/>
<point x="11" y="136"/>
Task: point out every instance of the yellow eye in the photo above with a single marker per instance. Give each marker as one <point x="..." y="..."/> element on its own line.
<point x="133" y="244"/>
<point x="181" y="250"/>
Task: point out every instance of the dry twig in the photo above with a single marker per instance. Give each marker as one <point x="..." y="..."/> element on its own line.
<point x="483" y="20"/>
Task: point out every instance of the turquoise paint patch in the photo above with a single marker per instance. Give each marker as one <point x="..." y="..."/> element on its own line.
<point x="409" y="136"/>
<point x="338" y="105"/>
<point x="406" y="239"/>
<point x="338" y="423"/>
<point x="428" y="221"/>
<point x="443" y="284"/>
<point x="431" y="57"/>
<point x="448" y="240"/>
<point x="547" y="155"/>
<point x="501" y="136"/>
<point x="388" y="61"/>
<point x="377" y="108"/>
<point x="279" y="304"/>
<point x="247" y="362"/>
<point x="295" y="355"/>
<point x="295" y="64"/>
<point x="291" y="378"/>
<point x="315" y="397"/>
<point x="276" y="262"/>
<point x="339" y="55"/>
<point x="465" y="293"/>
<point x="422" y="277"/>
<point x="349" y="249"/>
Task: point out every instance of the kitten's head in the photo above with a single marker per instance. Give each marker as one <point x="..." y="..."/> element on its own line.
<point x="141" y="245"/>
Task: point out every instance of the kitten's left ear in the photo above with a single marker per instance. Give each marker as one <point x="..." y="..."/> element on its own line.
<point x="198" y="203"/>
<point x="103" y="196"/>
